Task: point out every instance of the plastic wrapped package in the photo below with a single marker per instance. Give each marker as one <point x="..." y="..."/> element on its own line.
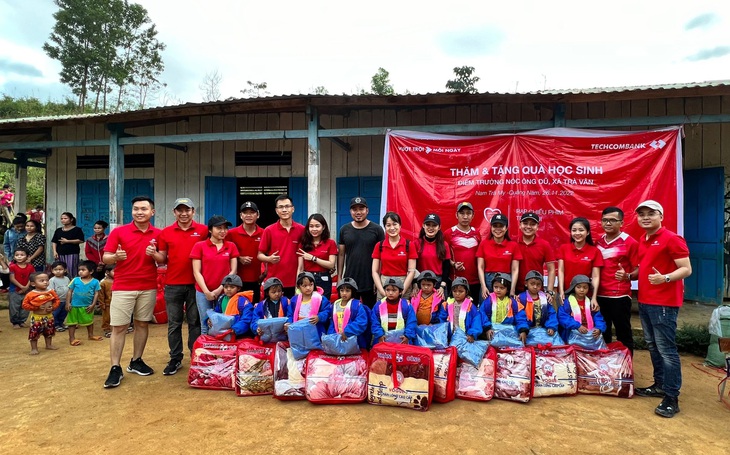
<point x="472" y="353"/>
<point x="332" y="344"/>
<point x="477" y="384"/>
<point x="401" y="376"/>
<point x="505" y="336"/>
<point x="288" y="374"/>
<point x="515" y="378"/>
<point x="220" y="324"/>
<point x="254" y="373"/>
<point x="606" y="372"/>
<point x="211" y="342"/>
<point x="539" y="336"/>
<point x="433" y="336"/>
<point x="444" y="374"/>
<point x="303" y="337"/>
<point x="212" y="368"/>
<point x="556" y="372"/>
<point x="394" y="336"/>
<point x="332" y="379"/>
<point x="272" y="330"/>
<point x="586" y="340"/>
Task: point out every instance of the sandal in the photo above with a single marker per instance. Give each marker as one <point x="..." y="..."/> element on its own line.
<point x="107" y="334"/>
<point x="95" y="338"/>
<point x="75" y="342"/>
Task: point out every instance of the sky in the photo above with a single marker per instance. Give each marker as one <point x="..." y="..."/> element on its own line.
<point x="295" y="46"/>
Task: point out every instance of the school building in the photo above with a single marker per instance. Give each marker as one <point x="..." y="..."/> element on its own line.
<point x="324" y="149"/>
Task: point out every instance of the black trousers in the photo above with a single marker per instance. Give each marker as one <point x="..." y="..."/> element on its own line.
<point x="616" y="311"/>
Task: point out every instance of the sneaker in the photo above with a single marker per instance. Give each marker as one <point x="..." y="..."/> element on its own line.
<point x="173" y="366"/>
<point x="60" y="328"/>
<point x="138" y="366"/>
<point x="130" y="329"/>
<point x="114" y="378"/>
<point x="668" y="407"/>
<point x="651" y="391"/>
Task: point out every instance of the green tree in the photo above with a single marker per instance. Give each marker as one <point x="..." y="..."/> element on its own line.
<point x="104" y="45"/>
<point x="33" y="107"/>
<point x="465" y="80"/>
<point x="380" y="83"/>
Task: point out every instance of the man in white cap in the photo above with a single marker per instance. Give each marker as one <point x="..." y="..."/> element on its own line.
<point x="663" y="264"/>
<point x="173" y="247"/>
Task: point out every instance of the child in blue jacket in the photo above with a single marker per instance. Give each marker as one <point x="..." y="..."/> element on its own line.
<point x="459" y="311"/>
<point x="499" y="308"/>
<point x="349" y="316"/>
<point x="232" y="302"/>
<point x="538" y="310"/>
<point x="576" y="313"/>
<point x="393" y="313"/>
<point x="275" y="305"/>
<point x="309" y="304"/>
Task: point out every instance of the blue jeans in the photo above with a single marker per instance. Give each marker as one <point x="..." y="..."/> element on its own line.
<point x="181" y="305"/>
<point x="59" y="314"/>
<point x="203" y="306"/>
<point x="660" y="330"/>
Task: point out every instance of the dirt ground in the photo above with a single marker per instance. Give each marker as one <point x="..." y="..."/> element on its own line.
<point x="55" y="403"/>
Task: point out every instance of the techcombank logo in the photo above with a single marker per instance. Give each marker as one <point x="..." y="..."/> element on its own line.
<point x="656" y="144"/>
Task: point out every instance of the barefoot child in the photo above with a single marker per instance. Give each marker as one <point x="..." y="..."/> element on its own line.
<point x="459" y="311"/>
<point x="105" y="299"/>
<point x="41" y="301"/>
<point x="20" y="271"/>
<point x="393" y="313"/>
<point x="83" y="293"/>
<point x="499" y="308"/>
<point x="59" y="283"/>
<point x="575" y="312"/>
<point x="349" y="316"/>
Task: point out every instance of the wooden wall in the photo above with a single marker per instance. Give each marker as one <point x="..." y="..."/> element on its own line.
<point x="179" y="173"/>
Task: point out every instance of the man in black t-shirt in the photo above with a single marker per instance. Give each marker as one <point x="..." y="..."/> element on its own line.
<point x="357" y="240"/>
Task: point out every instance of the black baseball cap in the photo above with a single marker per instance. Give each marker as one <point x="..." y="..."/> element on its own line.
<point x="273" y="281"/>
<point x="499" y="219"/>
<point x="427" y="275"/>
<point x="533" y="274"/>
<point x="432" y="218"/>
<point x="358" y="200"/>
<point x="218" y="220"/>
<point x="530" y="216"/>
<point x="248" y="205"/>
<point x="460" y="281"/>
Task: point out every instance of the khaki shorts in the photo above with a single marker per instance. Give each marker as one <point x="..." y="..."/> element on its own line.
<point x="126" y="303"/>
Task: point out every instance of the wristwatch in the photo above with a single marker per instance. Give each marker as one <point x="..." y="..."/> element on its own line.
<point x="667" y="279"/>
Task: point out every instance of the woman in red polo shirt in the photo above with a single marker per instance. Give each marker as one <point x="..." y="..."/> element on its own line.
<point x="579" y="257"/>
<point x="498" y="254"/>
<point x="213" y="259"/>
<point x="318" y="253"/>
<point x="434" y="253"/>
<point x="393" y="257"/>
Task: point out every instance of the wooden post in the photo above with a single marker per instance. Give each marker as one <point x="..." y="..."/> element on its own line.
<point x="559" y="115"/>
<point x="313" y="153"/>
<point x="116" y="177"/>
<point x="21" y="183"/>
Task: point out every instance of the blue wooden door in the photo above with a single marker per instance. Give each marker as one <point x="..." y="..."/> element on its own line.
<point x="349" y="187"/>
<point x="92" y="200"/>
<point x="221" y="197"/>
<point x="299" y="194"/>
<point x="704" y="208"/>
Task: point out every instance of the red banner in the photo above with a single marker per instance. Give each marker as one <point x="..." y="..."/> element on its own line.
<point x="558" y="173"/>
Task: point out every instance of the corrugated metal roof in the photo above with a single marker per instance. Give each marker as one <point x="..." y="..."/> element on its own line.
<point x="366" y="99"/>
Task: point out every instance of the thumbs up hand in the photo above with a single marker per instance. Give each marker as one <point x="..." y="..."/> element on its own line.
<point x="120" y="255"/>
<point x="151" y="248"/>
<point x="621" y="274"/>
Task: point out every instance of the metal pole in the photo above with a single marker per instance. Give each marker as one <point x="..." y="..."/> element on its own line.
<point x="116" y="177"/>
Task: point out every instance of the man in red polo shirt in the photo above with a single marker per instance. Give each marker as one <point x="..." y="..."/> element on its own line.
<point x="620" y="259"/>
<point x="174" y="245"/>
<point x="247" y="238"/>
<point x="663" y="264"/>
<point x="132" y="247"/>
<point x="537" y="254"/>
<point x="464" y="241"/>
<point x="279" y="245"/>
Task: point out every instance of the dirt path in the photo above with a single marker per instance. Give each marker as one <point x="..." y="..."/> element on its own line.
<point x="55" y="403"/>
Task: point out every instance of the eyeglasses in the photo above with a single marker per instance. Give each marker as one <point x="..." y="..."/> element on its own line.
<point x="284" y="207"/>
<point x="610" y="221"/>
